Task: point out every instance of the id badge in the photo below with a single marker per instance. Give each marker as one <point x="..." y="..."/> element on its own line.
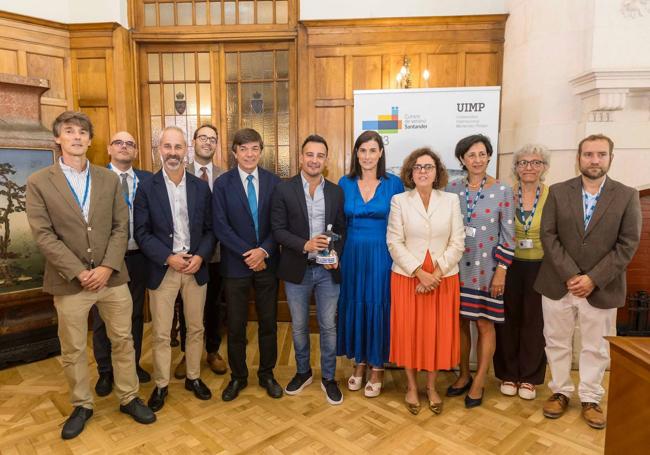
<point x="470" y="231"/>
<point x="525" y="244"/>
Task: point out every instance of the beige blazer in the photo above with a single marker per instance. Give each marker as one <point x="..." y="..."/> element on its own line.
<point x="67" y="242"/>
<point x="216" y="172"/>
<point x="602" y="252"/>
<point x="412" y="231"/>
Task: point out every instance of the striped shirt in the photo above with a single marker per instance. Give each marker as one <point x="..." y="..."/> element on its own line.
<point x="77" y="180"/>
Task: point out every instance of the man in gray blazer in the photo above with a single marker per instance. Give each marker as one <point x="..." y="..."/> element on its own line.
<point x="206" y="143"/>
<point x="591" y="228"/>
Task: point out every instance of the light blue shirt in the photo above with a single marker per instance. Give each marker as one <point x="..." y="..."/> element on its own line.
<point x="78" y="180"/>
<point x="589" y="203"/>
<point x="315" y="209"/>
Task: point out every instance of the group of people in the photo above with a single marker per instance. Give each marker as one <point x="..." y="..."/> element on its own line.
<point x="397" y="276"/>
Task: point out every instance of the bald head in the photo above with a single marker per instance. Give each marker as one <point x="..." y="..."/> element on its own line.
<point x="122" y="150"/>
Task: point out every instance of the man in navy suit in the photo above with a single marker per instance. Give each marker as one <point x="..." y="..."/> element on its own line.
<point x="123" y="150"/>
<point x="241" y="201"/>
<point x="173" y="226"/>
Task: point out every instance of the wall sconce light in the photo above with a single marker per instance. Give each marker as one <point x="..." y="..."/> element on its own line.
<point x="403" y="77"/>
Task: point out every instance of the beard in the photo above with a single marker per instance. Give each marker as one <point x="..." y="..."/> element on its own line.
<point x="593" y="173"/>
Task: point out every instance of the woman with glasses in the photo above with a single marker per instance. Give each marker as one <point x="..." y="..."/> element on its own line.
<point x="364" y="301"/>
<point x="519" y="360"/>
<point x="488" y="216"/>
<point x="425" y="238"/>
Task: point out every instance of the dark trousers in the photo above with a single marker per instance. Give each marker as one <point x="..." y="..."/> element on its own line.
<point x="520" y="355"/>
<point x="136" y="265"/>
<point x="237" y="291"/>
<point x="213" y="313"/>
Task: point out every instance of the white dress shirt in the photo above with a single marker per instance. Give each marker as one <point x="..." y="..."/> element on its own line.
<point x="78" y="180"/>
<point x="178" y="203"/>
<point x="130" y="181"/>
<point x="208" y="170"/>
<point x="243" y="175"/>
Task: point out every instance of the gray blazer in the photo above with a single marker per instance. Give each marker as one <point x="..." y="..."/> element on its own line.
<point x="216" y="172"/>
<point x="602" y="252"/>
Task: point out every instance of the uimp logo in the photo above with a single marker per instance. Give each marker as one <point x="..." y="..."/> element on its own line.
<point x="385" y="124"/>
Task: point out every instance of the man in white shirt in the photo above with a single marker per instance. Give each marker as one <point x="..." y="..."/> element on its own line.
<point x="123" y="151"/>
<point x="177" y="253"/>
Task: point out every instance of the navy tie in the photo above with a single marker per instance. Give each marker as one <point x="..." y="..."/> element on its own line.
<point x="252" y="203"/>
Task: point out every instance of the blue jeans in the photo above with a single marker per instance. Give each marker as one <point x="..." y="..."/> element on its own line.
<point x="321" y="283"/>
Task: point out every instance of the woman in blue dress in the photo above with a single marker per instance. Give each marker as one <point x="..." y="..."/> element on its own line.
<point x="364" y="302"/>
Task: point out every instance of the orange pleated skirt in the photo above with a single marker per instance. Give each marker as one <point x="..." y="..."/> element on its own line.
<point x="425" y="328"/>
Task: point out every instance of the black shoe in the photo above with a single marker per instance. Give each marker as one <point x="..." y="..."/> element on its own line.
<point x="140" y="413"/>
<point x="104" y="384"/>
<point x="200" y="390"/>
<point x="143" y="375"/>
<point x="299" y="382"/>
<point x="75" y="423"/>
<point x="473" y="402"/>
<point x="157" y="398"/>
<point x="454" y="392"/>
<point x="233" y="389"/>
<point x="273" y="389"/>
<point x="332" y="391"/>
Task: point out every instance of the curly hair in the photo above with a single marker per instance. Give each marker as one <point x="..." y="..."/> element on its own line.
<point x="407" y="168"/>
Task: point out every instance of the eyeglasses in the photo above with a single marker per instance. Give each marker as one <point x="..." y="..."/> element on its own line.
<point x="120" y="143"/>
<point x="535" y="164"/>
<point x="423" y="167"/>
<point x="204" y="138"/>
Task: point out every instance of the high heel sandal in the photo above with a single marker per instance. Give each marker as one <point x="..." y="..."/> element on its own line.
<point x="356" y="382"/>
<point x="373" y="389"/>
<point x="436" y="408"/>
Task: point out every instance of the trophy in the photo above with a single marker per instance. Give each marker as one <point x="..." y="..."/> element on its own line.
<point x="328" y="255"/>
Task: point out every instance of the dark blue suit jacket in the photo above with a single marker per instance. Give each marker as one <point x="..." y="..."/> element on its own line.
<point x="233" y="222"/>
<point x="154" y="228"/>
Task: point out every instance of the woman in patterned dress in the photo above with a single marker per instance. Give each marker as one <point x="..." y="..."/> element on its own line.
<point x="488" y="215"/>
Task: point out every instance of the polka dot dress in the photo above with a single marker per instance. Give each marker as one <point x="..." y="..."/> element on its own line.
<point x="494" y="243"/>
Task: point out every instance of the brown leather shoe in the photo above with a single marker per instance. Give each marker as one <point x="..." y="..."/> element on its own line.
<point x="594" y="415"/>
<point x="216" y="363"/>
<point x="555" y="405"/>
<point x="179" y="372"/>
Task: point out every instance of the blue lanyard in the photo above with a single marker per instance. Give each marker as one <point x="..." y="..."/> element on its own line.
<point x="129" y="199"/>
<point x="470" y="209"/>
<point x="527" y="222"/>
<point x="74" y="193"/>
<point x="589" y="208"/>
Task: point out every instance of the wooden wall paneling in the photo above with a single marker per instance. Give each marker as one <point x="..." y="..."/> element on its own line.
<point x="223" y="103"/>
<point x="331" y="124"/>
<point x="443" y="70"/>
<point x="330" y="72"/>
<point x="145" y="146"/>
<point x="481" y="69"/>
<point x="124" y="106"/>
<point x="366" y="72"/>
<point x="294" y="140"/>
<point x="8" y="61"/>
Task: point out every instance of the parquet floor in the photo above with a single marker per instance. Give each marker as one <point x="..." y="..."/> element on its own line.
<point x="34" y="404"/>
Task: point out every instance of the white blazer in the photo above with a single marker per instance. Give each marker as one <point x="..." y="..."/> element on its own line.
<point x="412" y="231"/>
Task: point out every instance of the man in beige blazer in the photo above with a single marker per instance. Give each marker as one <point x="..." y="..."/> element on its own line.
<point x="79" y="221"/>
<point x="206" y="143"/>
<point x="591" y="228"/>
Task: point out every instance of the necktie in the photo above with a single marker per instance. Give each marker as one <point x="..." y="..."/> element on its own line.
<point x="125" y="191"/>
<point x="252" y="203"/>
<point x="204" y="173"/>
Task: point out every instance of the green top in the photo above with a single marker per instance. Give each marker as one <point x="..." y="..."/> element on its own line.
<point x="536" y="253"/>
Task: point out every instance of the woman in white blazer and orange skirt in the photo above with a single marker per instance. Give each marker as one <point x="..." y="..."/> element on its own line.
<point x="426" y="241"/>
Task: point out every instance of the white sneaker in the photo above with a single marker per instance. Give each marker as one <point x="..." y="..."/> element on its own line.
<point x="509" y="388"/>
<point x="527" y="391"/>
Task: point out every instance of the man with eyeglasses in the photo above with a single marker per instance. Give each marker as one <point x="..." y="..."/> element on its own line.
<point x="123" y="151"/>
<point x="206" y="139"/>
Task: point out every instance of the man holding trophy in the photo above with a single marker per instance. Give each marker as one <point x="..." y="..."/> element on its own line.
<point x="308" y="221"/>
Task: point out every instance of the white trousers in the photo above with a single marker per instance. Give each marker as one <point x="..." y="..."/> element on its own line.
<point x="560" y="317"/>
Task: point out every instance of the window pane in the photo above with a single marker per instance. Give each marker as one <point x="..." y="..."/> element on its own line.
<point x="184" y="13"/>
<point x="256" y="65"/>
<point x="201" y="14"/>
<point x="166" y="13"/>
<point x="204" y="66"/>
<point x="154" y="68"/>
<point x="246" y="12"/>
<point x="180" y="99"/>
<point x="281" y="12"/>
<point x="190" y="96"/>
<point x="229" y="12"/>
<point x="168" y="67"/>
<point x="154" y="99"/>
<point x="215" y="13"/>
<point x="257" y="109"/>
<point x="264" y="12"/>
<point x="283" y="113"/>
<point x="150" y="15"/>
<point x="232" y="116"/>
<point x="231" y="66"/>
<point x="179" y="67"/>
<point x="282" y="64"/>
<point x="156" y="127"/>
<point x="168" y="99"/>
<point x="190" y="73"/>
<point x="284" y="161"/>
<point x="205" y="101"/>
<point x="267" y="160"/>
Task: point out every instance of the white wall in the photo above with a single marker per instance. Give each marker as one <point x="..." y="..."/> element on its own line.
<point x="357" y="9"/>
<point x="71" y="11"/>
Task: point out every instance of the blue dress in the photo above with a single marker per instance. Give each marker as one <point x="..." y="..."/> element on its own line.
<point x="363" y="331"/>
